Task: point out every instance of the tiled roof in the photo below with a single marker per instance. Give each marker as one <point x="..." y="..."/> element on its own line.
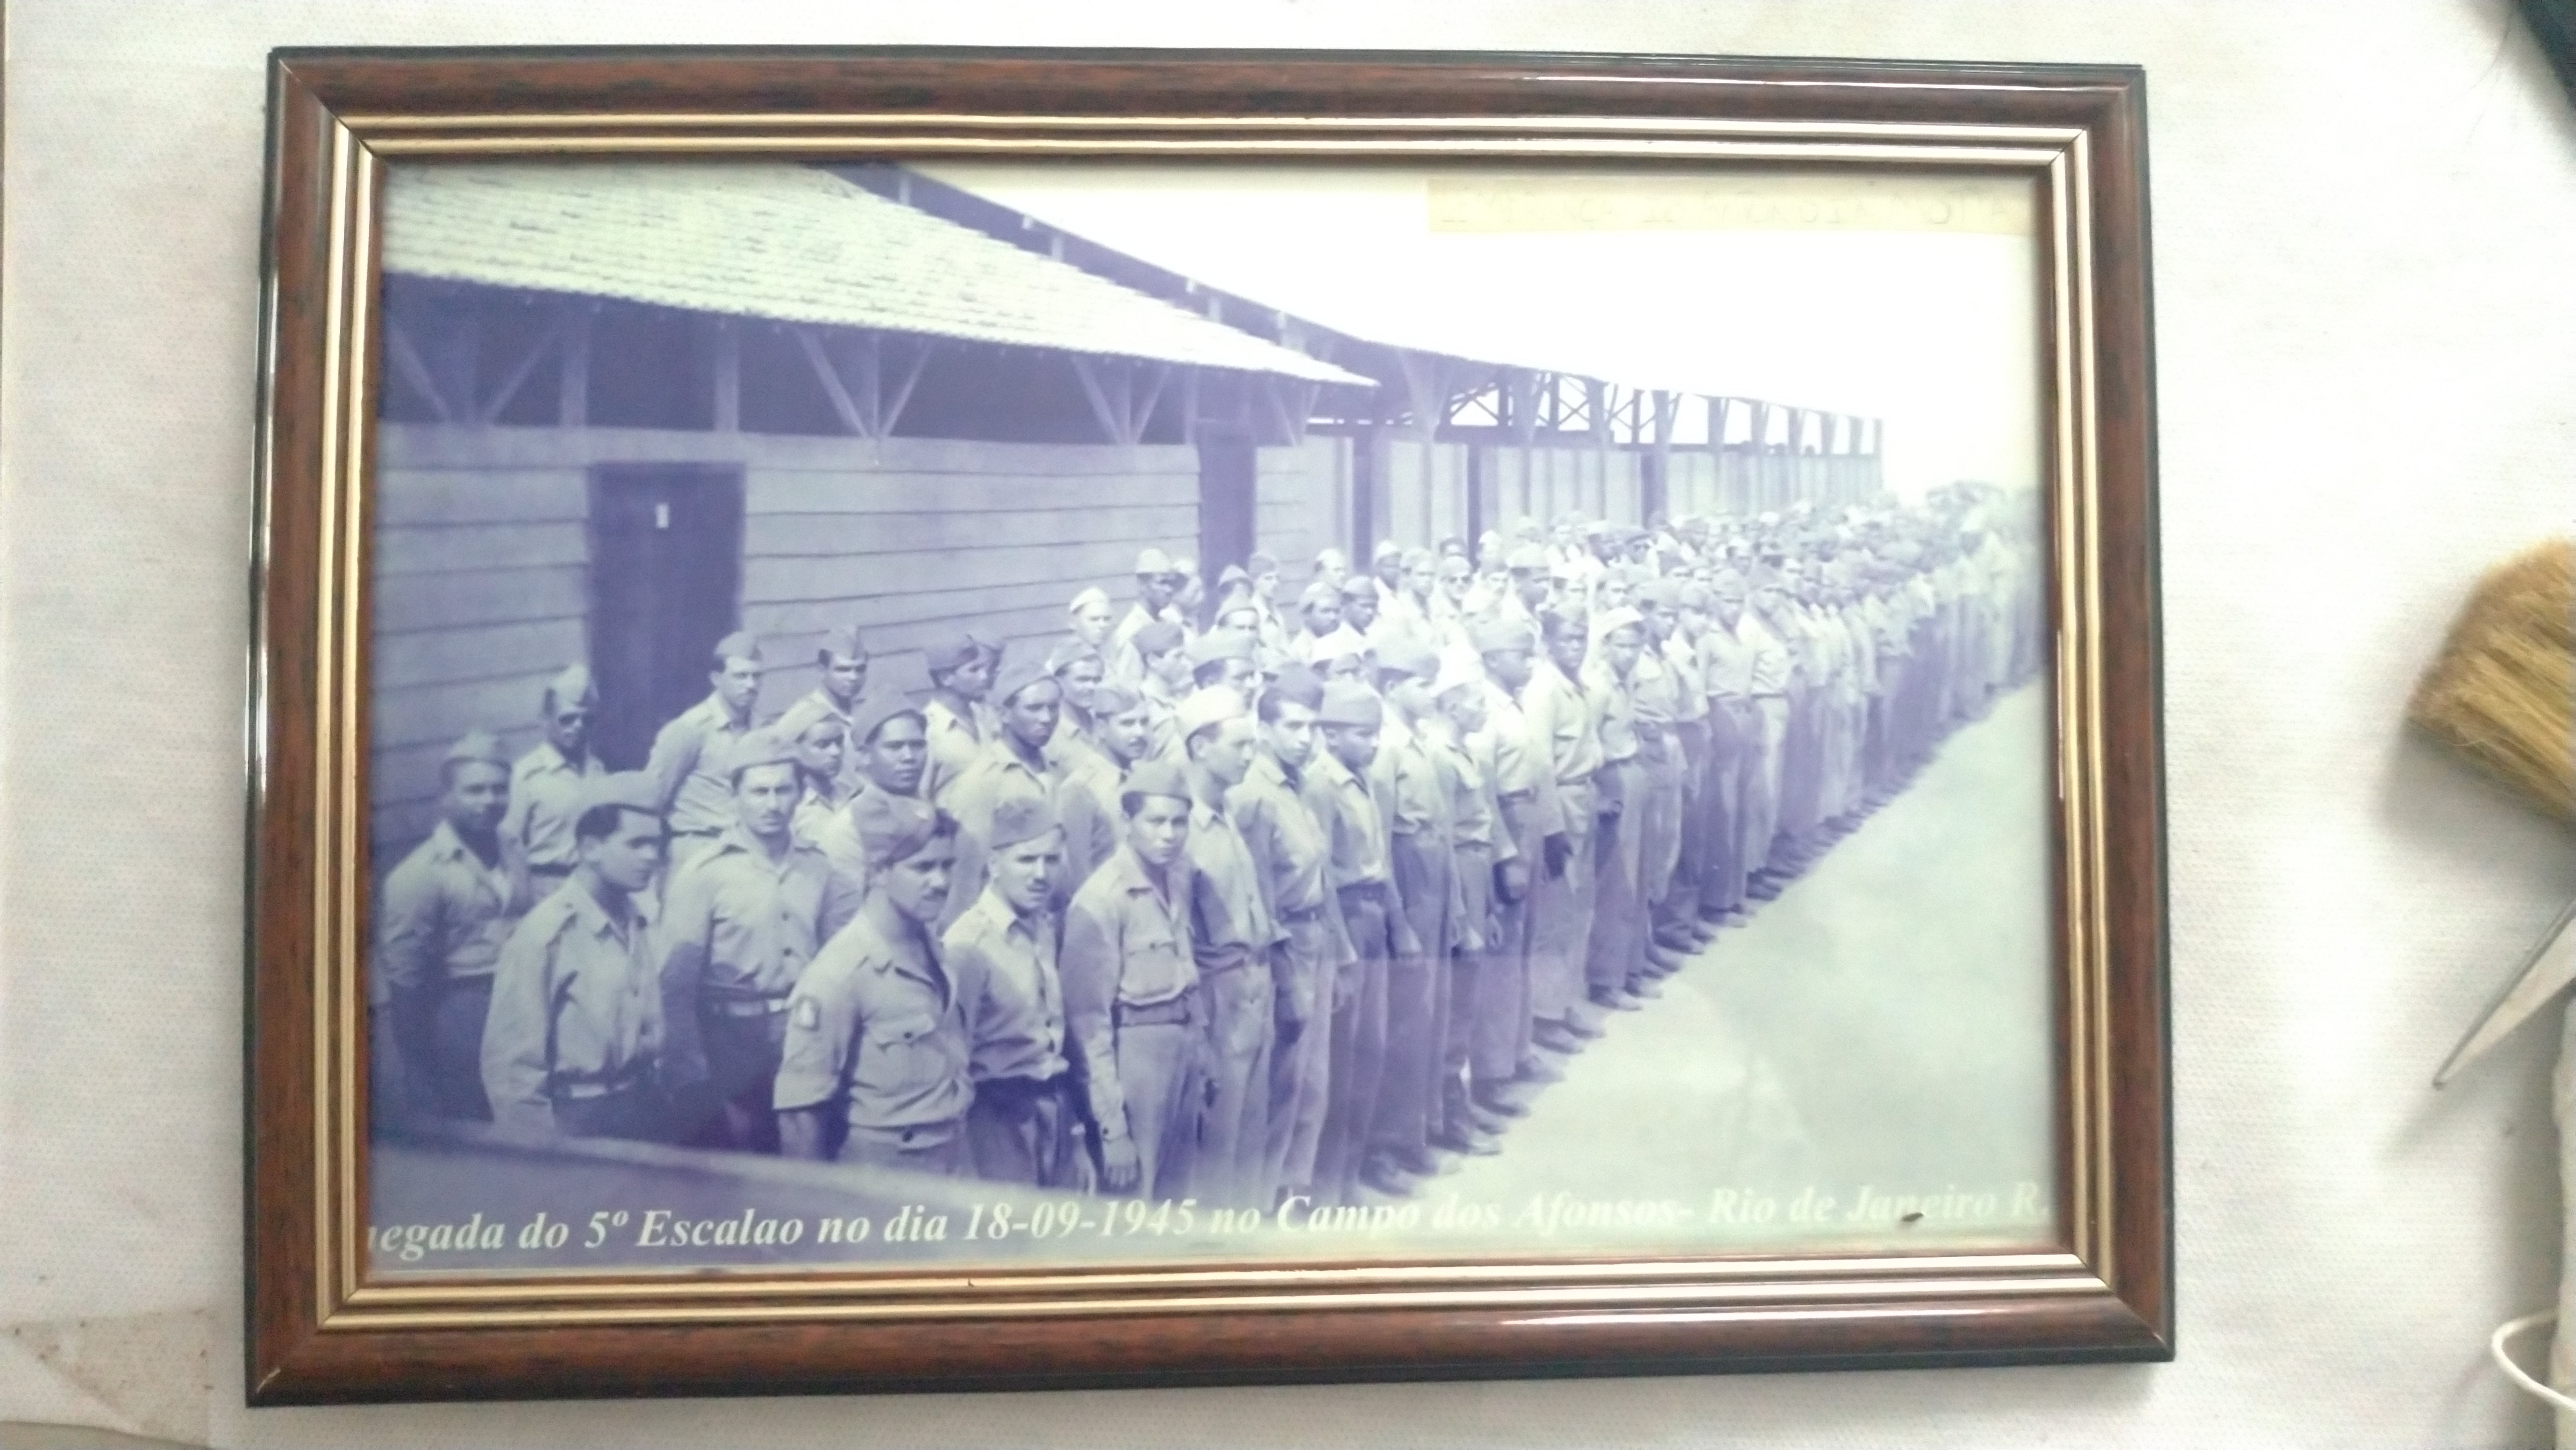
<point x="763" y="239"/>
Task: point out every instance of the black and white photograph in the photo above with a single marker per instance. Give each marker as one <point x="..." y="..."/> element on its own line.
<point x="1101" y="711"/>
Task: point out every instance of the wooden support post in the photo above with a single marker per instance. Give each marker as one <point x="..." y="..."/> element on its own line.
<point x="407" y="361"/>
<point x="728" y="375"/>
<point x="572" y="380"/>
<point x="845" y="407"/>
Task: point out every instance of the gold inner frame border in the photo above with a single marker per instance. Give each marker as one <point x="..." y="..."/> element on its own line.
<point x="1668" y="1288"/>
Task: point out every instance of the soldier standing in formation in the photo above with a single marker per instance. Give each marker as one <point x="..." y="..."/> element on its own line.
<point x="1263" y="909"/>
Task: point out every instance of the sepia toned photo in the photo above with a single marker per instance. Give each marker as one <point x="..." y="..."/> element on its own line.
<point x="1100" y="712"/>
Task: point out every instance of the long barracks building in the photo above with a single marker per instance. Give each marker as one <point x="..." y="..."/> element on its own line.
<point x="629" y="408"/>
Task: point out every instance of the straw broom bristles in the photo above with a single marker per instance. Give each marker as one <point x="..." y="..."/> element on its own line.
<point x="2503" y="693"/>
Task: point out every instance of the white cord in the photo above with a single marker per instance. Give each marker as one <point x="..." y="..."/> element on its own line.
<point x="2515" y="1372"/>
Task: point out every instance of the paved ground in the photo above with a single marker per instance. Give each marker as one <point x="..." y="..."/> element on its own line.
<point x="1883" y="1025"/>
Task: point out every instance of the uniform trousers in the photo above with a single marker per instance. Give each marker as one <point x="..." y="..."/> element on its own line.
<point x="934" y="1148"/>
<point x="1234" y="1138"/>
<point x="1470" y="970"/>
<point x="1302" y="972"/>
<point x="1679" y="905"/>
<point x="743" y="1039"/>
<point x="1769" y="750"/>
<point x="1734" y="750"/>
<point x="1659" y="834"/>
<point x="1028" y="1130"/>
<point x="1162" y="1074"/>
<point x="451" y="1047"/>
<point x="637" y="1111"/>
<point x="1617" y="946"/>
<point x="1501" y="1041"/>
<point x="1359" y="1043"/>
<point x="1561" y="915"/>
<point x="1417" y="992"/>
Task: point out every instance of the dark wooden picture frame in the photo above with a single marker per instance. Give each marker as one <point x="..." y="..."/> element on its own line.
<point x="320" y="1330"/>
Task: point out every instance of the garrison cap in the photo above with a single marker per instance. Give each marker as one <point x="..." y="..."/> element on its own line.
<point x="1386" y="549"/>
<point x="892" y="827"/>
<point x="1019" y="675"/>
<point x="1230" y="576"/>
<point x="1727" y="578"/>
<point x="1115" y="697"/>
<point x="1299" y="685"/>
<point x="1525" y="556"/>
<point x="1612" y="619"/>
<point x="1220" y="644"/>
<point x="1093" y="595"/>
<point x="1349" y="703"/>
<point x="1340" y="644"/>
<point x="627" y="790"/>
<point x="737" y="646"/>
<point x="1495" y="635"/>
<point x="771" y="746"/>
<point x="572" y="685"/>
<point x="1153" y="561"/>
<point x="955" y="654"/>
<point x="1156" y="777"/>
<point x="1020" y="816"/>
<point x="1357" y="587"/>
<point x="804" y="715"/>
<point x="1212" y="706"/>
<point x="842" y="642"/>
<point x="480" y="747"/>
<point x="1423" y="558"/>
<point x="1260" y="563"/>
<point x="1458" y="671"/>
<point x="1069" y="653"/>
<point x="1662" y="593"/>
<point x="1319" y="592"/>
<point x="1695" y="595"/>
<point x="871" y="713"/>
<point x="1158" y="637"/>
<point x="1407" y="653"/>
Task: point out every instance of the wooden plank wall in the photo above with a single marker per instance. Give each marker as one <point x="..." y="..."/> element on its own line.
<point x="911" y="540"/>
<point x="1305" y="502"/>
<point x="481" y="596"/>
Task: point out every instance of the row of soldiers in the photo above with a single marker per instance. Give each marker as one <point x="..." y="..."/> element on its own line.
<point x="1231" y="903"/>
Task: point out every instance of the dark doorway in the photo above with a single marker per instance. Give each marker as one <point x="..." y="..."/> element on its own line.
<point x="665" y="585"/>
<point x="1229" y="501"/>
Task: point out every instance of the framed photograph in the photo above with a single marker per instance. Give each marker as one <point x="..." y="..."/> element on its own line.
<point x="989" y="719"/>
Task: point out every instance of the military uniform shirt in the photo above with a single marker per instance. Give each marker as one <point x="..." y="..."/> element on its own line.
<point x="1614" y="708"/>
<point x="757" y="920"/>
<point x="446" y="914"/>
<point x="1689" y="682"/>
<point x="955" y="740"/>
<point x="1287" y="843"/>
<point x="1561" y="714"/>
<point x="1126" y="943"/>
<point x="1476" y="813"/>
<point x="689" y="768"/>
<point x="1230" y="919"/>
<point x="1522" y="773"/>
<point x="877" y="1032"/>
<point x="1353" y="816"/>
<point x="575" y="1005"/>
<point x="1087" y="802"/>
<point x="1409" y="782"/>
<point x="545" y="805"/>
<point x="1769" y="670"/>
<point x="1726" y="662"/>
<point x="1008" y="991"/>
